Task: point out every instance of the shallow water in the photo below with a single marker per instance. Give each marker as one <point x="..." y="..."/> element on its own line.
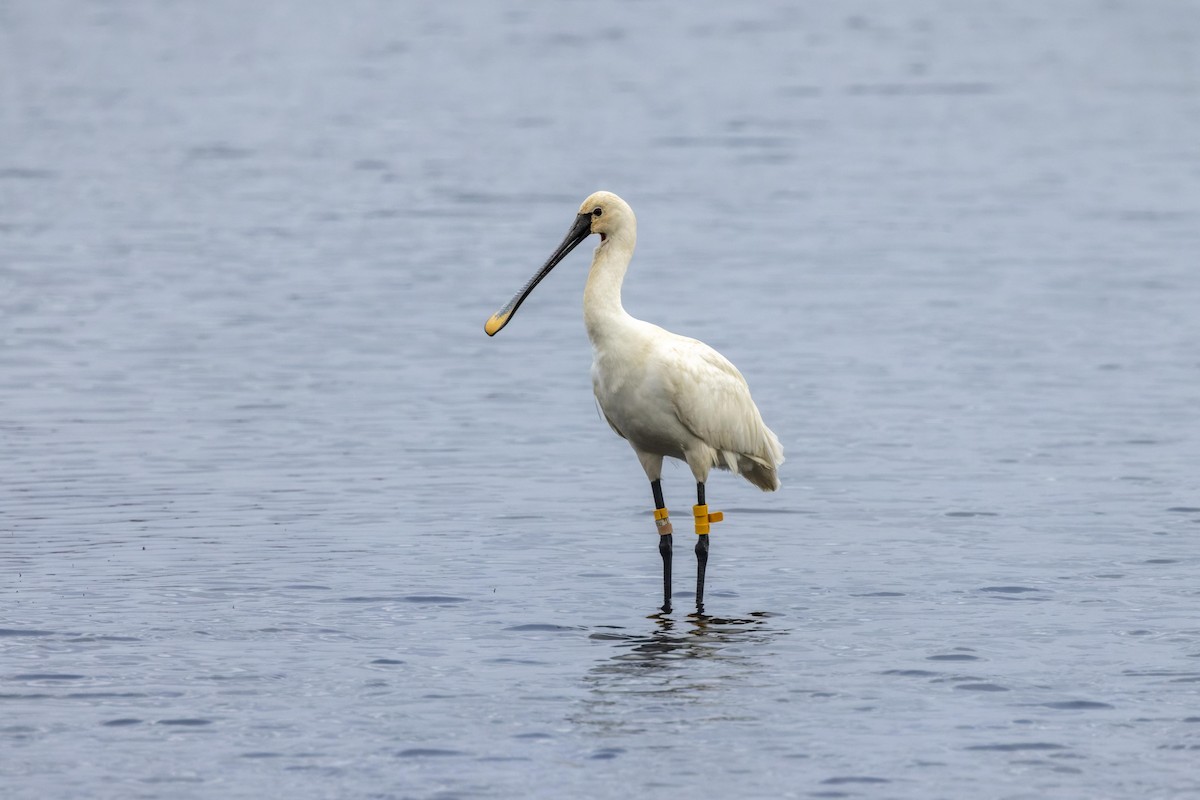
<point x="277" y="519"/>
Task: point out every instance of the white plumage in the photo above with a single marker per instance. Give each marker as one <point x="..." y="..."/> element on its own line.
<point x="667" y="395"/>
<point x="678" y="397"/>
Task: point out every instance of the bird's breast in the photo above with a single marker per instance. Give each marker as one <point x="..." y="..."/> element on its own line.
<point x="636" y="402"/>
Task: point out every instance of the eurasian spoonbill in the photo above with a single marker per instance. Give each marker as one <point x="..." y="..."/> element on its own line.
<point x="667" y="395"/>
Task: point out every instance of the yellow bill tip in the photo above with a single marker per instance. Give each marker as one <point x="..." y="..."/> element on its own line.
<point x="493" y="325"/>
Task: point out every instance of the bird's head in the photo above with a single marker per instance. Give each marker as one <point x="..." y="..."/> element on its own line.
<point x="607" y="214"/>
<point x="603" y="213"/>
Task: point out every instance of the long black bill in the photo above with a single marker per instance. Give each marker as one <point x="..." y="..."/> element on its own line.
<point x="579" y="231"/>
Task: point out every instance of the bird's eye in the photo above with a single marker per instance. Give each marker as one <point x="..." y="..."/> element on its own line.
<point x="597" y="212"/>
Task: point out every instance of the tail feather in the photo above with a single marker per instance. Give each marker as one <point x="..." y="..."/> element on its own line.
<point x="760" y="469"/>
<point x="759" y="473"/>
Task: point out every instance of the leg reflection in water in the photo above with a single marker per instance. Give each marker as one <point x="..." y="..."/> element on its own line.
<point x="697" y="637"/>
<point x="676" y="666"/>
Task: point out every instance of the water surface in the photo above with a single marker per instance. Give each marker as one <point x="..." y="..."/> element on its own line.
<point x="277" y="519"/>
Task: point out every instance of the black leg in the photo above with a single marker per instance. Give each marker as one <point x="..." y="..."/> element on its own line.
<point x="664" y="543"/>
<point x="664" y="549"/>
<point x="701" y="553"/>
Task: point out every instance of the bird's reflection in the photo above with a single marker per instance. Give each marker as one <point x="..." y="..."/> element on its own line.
<point x="677" y="663"/>
<point x="672" y="641"/>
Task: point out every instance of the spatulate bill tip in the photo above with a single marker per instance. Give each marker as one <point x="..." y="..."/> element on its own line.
<point x="497" y="321"/>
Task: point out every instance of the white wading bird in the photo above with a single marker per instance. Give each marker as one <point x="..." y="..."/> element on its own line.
<point x="667" y="395"/>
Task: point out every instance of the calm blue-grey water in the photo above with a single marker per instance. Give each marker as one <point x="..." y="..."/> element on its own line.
<point x="277" y="519"/>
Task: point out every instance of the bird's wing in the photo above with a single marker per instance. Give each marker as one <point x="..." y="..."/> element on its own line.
<point x="712" y="399"/>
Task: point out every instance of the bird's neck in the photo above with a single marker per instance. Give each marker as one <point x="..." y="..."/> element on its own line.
<point x="602" y="309"/>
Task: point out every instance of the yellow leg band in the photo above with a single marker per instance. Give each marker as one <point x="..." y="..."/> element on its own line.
<point x="662" y="521"/>
<point x="703" y="518"/>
